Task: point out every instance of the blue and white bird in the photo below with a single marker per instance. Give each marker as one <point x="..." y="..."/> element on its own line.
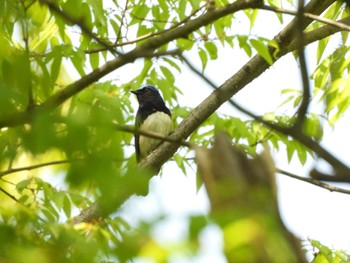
<point x="153" y="116"/>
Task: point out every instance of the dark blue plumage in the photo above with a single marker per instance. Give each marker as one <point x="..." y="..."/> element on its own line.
<point x="153" y="116"/>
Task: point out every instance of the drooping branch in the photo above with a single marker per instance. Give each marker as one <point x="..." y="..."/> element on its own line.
<point x="300" y="39"/>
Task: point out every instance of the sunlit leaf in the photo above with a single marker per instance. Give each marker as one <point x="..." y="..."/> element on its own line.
<point x="262" y="50"/>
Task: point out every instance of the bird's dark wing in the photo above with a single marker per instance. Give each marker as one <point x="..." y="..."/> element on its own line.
<point x="159" y="105"/>
<point x="138" y="123"/>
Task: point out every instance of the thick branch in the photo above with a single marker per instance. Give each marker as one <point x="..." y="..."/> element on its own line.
<point x="302" y="111"/>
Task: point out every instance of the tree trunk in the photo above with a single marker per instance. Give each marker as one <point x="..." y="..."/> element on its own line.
<point x="242" y="194"/>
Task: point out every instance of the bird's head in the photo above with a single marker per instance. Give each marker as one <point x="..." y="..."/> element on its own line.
<point x="147" y="94"/>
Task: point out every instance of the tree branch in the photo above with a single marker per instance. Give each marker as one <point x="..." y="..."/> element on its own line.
<point x="8" y="194"/>
<point x="314" y="182"/>
<point x="32" y="167"/>
<point x="122" y="22"/>
<point x="302" y="111"/>
<point x="338" y="176"/>
<point x="340" y="25"/>
<point x="153" y="135"/>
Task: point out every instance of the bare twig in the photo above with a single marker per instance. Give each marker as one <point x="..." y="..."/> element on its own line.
<point x="32" y="167"/>
<point x="324" y="20"/>
<point x="8" y="194"/>
<point x="122" y="22"/>
<point x="314" y="182"/>
<point x="153" y="135"/>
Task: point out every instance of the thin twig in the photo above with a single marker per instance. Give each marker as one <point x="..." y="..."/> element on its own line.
<point x="122" y="22"/>
<point x="8" y="194"/>
<point x="148" y="35"/>
<point x="153" y="135"/>
<point x="36" y="166"/>
<point x="314" y="182"/>
<point x="323" y="20"/>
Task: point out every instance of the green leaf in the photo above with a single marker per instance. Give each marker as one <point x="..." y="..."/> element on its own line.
<point x="302" y="154"/>
<point x="243" y="43"/>
<point x="67" y="207"/>
<point x="140" y="11"/>
<point x="167" y="74"/>
<point x="290" y="150"/>
<point x="251" y="14"/>
<point x="55" y="68"/>
<point x="94" y="58"/>
<point x="204" y="58"/>
<point x="22" y="185"/>
<point x="212" y="50"/>
<point x="197" y="224"/>
<point x="172" y="63"/>
<point x="49" y="214"/>
<point x="58" y="198"/>
<point x="180" y="162"/>
<point x="184" y="43"/>
<point x="199" y="181"/>
<point x="262" y="50"/>
<point x="78" y="61"/>
<point x="322" y="44"/>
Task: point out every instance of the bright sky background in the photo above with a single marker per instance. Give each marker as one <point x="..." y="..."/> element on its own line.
<point x="307" y="210"/>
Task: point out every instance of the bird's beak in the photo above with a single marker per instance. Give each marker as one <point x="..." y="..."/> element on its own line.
<point x="134" y="91"/>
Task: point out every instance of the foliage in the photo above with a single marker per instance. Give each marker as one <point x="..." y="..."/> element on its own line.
<point x="56" y="162"/>
<point x="326" y="255"/>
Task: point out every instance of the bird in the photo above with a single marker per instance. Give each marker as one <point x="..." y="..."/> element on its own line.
<point x="152" y="116"/>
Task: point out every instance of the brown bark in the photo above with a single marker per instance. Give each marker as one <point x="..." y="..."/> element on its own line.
<point x="243" y="200"/>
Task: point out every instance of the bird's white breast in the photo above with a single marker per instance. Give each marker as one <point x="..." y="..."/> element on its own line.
<point x="158" y="122"/>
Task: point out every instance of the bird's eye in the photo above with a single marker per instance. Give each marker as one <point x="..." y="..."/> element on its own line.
<point x="146" y="89"/>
